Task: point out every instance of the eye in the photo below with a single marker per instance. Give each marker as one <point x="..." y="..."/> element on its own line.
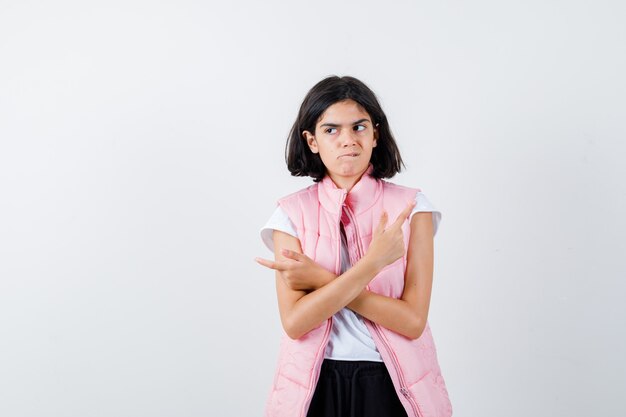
<point x="328" y="130"/>
<point x="359" y="128"/>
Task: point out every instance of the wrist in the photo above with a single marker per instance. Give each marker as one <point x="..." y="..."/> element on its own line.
<point x="373" y="263"/>
<point x="323" y="277"/>
<point x="356" y="304"/>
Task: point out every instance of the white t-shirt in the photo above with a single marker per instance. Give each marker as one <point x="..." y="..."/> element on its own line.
<point x="350" y="339"/>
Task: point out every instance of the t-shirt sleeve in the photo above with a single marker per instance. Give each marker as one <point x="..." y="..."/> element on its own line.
<point x="278" y="221"/>
<point x="423" y="204"/>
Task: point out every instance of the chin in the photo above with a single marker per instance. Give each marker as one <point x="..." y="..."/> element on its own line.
<point x="353" y="170"/>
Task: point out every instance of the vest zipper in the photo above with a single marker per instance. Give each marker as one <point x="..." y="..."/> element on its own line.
<point x="322" y="348"/>
<point x="315" y="375"/>
<point x="403" y="388"/>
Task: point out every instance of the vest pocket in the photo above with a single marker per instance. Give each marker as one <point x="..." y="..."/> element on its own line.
<point x="431" y="395"/>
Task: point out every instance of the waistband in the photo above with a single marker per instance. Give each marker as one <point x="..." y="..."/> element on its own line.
<point x="350" y="369"/>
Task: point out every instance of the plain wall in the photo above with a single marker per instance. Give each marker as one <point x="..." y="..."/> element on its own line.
<point x="142" y="149"/>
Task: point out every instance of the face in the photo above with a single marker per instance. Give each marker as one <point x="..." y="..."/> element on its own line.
<point x="344" y="137"/>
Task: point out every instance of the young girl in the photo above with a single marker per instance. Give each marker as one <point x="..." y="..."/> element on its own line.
<point x="354" y="266"/>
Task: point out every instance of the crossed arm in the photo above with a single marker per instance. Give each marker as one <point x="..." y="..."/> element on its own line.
<point x="309" y="294"/>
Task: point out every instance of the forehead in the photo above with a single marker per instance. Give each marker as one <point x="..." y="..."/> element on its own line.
<point x="344" y="111"/>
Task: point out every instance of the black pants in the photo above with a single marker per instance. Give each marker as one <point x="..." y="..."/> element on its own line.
<point x="355" y="388"/>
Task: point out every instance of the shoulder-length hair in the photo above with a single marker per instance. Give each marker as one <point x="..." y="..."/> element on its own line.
<point x="301" y="162"/>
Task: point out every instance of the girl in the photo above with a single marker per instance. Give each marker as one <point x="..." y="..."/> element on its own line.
<point x="354" y="265"/>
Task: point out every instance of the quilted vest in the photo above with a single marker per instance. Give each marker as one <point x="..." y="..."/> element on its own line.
<point x="412" y="364"/>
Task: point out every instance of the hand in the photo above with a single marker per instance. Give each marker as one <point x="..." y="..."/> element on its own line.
<point x="387" y="245"/>
<point x="298" y="271"/>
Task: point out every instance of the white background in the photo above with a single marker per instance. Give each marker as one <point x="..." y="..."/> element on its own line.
<point x="142" y="148"/>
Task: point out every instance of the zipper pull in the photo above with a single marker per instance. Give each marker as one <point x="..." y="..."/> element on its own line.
<point x="405" y="392"/>
<point x="344" y="194"/>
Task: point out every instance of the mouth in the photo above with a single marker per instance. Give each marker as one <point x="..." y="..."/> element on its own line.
<point x="349" y="155"/>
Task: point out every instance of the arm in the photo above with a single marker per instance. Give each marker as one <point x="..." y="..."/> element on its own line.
<point x="406" y="315"/>
<point x="300" y="311"/>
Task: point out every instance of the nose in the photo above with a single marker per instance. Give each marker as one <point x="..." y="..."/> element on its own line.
<point x="347" y="138"/>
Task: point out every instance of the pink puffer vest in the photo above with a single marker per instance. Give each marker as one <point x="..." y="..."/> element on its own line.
<point x="412" y="364"/>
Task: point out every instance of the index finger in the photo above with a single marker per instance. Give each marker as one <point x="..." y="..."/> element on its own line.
<point x="270" y="264"/>
<point x="403" y="214"/>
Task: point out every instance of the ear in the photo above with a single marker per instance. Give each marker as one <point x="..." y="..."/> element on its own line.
<point x="375" y="136"/>
<point x="310" y="140"/>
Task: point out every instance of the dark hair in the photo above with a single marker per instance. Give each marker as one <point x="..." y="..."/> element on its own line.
<point x="301" y="162"/>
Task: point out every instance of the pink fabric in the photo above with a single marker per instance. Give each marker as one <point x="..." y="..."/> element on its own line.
<point x="413" y="366"/>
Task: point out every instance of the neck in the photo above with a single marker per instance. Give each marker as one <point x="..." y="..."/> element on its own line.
<point x="362" y="191"/>
<point x="346" y="182"/>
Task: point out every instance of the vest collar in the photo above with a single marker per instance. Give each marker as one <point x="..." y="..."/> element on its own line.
<point x="361" y="197"/>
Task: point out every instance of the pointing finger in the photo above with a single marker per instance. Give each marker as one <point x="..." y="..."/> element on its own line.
<point x="269" y="264"/>
<point x="380" y="228"/>
<point x="404" y="214"/>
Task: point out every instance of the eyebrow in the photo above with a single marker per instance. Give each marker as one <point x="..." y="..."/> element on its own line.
<point x="354" y="123"/>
